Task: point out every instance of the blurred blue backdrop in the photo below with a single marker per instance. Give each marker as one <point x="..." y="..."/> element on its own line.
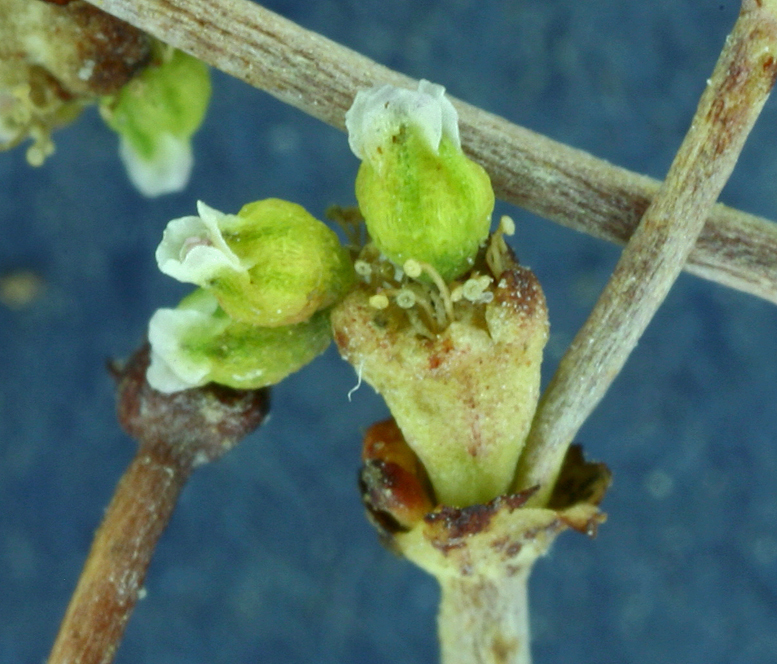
<point x="268" y="557"/>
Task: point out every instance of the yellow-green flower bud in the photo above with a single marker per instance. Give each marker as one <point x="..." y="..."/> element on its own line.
<point x="197" y="343"/>
<point x="271" y="264"/>
<point x="421" y="197"/>
<point x="156" y="115"/>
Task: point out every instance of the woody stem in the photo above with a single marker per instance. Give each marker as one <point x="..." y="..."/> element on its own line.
<point x="112" y="578"/>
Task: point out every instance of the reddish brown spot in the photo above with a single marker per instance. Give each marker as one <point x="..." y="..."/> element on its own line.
<point x="341" y="338"/>
<point x="515" y="500"/>
<point x="507" y="546"/>
<point x="458" y="524"/>
<point x="439" y="352"/>
<point x="500" y="544"/>
<point x="504" y="650"/>
<point x="520" y="288"/>
<point x="462" y="522"/>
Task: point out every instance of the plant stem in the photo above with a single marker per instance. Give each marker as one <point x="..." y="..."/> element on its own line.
<point x="177" y="433"/>
<point x="484" y="620"/>
<point x="555" y="181"/>
<point x="113" y="576"/>
<point x="656" y="252"/>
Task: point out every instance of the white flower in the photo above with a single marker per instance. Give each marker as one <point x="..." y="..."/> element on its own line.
<point x="193" y="250"/>
<point x="198" y="343"/>
<point x="378" y="113"/>
<point x="173" y="367"/>
<point x="165" y="172"/>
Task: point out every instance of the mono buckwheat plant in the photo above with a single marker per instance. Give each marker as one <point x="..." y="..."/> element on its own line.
<point x="268" y="555"/>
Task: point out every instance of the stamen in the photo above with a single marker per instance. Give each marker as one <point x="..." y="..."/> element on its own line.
<point x="507" y="225"/>
<point x="473" y="288"/>
<point x="379" y="301"/>
<point x="497" y="247"/>
<point x="418" y="325"/>
<point x="363" y="268"/>
<point x="438" y="281"/>
<point x="405" y="298"/>
<point x="422" y="300"/>
<point x="412" y="268"/>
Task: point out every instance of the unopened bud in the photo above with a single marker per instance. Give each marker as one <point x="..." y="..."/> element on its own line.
<point x="271" y="264"/>
<point x="197" y="343"/>
<point x="421" y="197"/>
<point x="156" y="115"/>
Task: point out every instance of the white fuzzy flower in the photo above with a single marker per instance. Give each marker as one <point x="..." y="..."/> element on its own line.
<point x="174" y="368"/>
<point x="198" y="343"/>
<point x="193" y="249"/>
<point x="377" y="114"/>
<point x="167" y="171"/>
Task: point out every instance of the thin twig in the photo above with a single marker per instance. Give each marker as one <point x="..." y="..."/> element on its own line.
<point x="654" y="256"/>
<point x="177" y="433"/>
<point x="552" y="180"/>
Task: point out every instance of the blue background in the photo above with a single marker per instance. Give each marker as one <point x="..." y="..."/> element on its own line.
<point x="268" y="557"/>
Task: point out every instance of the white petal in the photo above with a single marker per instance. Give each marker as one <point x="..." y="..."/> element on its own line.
<point x="211" y="218"/>
<point x="378" y="113"/>
<point x="193" y="250"/>
<point x="162" y="378"/>
<point x="448" y="114"/>
<point x="171" y="368"/>
<point x="166" y="172"/>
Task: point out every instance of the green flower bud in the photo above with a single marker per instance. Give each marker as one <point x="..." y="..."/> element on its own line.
<point x="421" y="197"/>
<point x="197" y="343"/>
<point x="156" y="115"/>
<point x="271" y="264"/>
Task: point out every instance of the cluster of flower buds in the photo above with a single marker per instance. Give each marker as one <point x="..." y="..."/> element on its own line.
<point x="267" y="276"/>
<point x="443" y="323"/>
<point x="436" y="315"/>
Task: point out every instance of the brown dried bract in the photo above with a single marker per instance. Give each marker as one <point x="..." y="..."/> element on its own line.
<point x="452" y="526"/>
<point x="394" y="486"/>
<point x="580" y="481"/>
